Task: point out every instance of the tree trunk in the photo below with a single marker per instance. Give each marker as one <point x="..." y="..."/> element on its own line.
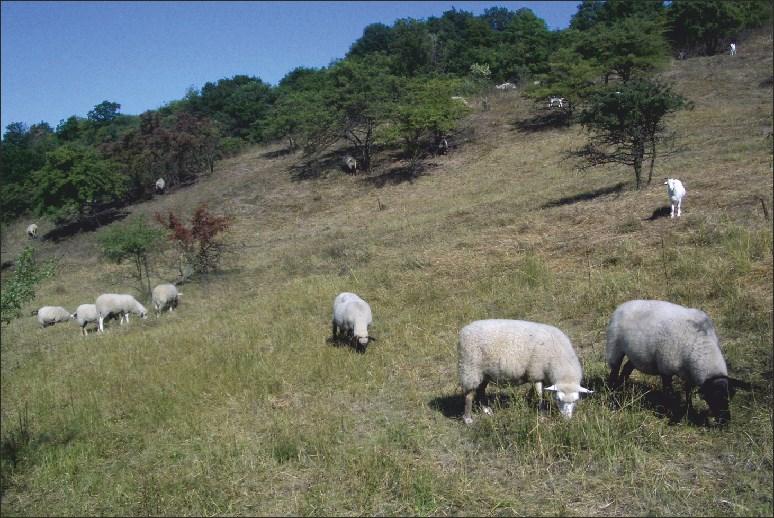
<point x="652" y="158"/>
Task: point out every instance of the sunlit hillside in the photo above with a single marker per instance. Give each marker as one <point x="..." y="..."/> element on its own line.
<point x="239" y="404"/>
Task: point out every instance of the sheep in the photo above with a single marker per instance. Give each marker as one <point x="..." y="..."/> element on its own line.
<point x="732" y="48"/>
<point x="350" y="164"/>
<point x="118" y="304"/>
<point x="165" y="296"/>
<point x="556" y="101"/>
<point x="665" y="339"/>
<point x="160" y="186"/>
<point x="32" y="231"/>
<point x="518" y="351"/>
<point x="352" y="316"/>
<point x="86" y="314"/>
<point x="676" y="193"/>
<point x="506" y="86"/>
<point x="50" y="315"/>
<point x="443" y="146"/>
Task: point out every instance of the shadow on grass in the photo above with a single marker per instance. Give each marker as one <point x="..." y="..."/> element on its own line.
<point x="661" y="212"/>
<point x="663" y="404"/>
<point x="585" y="196"/>
<point x="278" y="153"/>
<point x="88" y="224"/>
<point x="397" y="176"/>
<point x="554" y="119"/>
<point x="313" y="169"/>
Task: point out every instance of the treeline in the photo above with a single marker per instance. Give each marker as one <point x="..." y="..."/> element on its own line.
<point x="393" y="88"/>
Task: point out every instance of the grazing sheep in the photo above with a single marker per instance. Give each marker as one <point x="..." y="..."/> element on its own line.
<point x="165" y="296"/>
<point x="351" y="317"/>
<point x="350" y="164"/>
<point x="518" y="351"/>
<point x="118" y="304"/>
<point x="160" y="186"/>
<point x="506" y="86"/>
<point x="665" y="339"/>
<point x="732" y="48"/>
<point x="443" y="146"/>
<point x="50" y="315"/>
<point x="676" y="193"/>
<point x="86" y="314"/>
<point x="32" y="231"/>
<point x="556" y="102"/>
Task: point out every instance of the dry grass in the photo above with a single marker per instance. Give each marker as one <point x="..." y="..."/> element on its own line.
<point x="237" y="403"/>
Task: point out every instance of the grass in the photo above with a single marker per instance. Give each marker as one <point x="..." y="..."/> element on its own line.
<point x="238" y="404"/>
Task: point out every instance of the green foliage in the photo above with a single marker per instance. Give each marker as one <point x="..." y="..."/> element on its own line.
<point x="702" y="26"/>
<point x="104" y="112"/>
<point x="73" y="181"/>
<point x="134" y="240"/>
<point x="19" y="289"/>
<point x="627" y="124"/>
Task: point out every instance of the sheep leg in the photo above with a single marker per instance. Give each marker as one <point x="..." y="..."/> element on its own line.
<point x="101" y="324"/>
<point x="615" y="366"/>
<point x="466" y="417"/>
<point x="672" y="205"/>
<point x="481" y="397"/>
<point x="626" y="371"/>
<point x="334" y="329"/>
<point x="679" y="204"/>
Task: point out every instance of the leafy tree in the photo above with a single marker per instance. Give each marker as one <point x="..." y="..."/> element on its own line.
<point x="19" y="289"/>
<point x="411" y="47"/>
<point x="702" y="26"/>
<point x="594" y="12"/>
<point x="627" y="124"/>
<point x="69" y="130"/>
<point x="134" y="240"/>
<point x="104" y="112"/>
<point x="74" y="181"/>
<point x="199" y="246"/>
<point x="376" y="38"/>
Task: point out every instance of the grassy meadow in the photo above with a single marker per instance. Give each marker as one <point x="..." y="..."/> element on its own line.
<point x="239" y="404"/>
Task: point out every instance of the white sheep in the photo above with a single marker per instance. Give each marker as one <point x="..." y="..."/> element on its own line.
<point x="50" y="315"/>
<point x="732" y="48"/>
<point x="160" y="185"/>
<point x="676" y="193"/>
<point x="506" y="86"/>
<point x="350" y="164"/>
<point x="667" y="339"/>
<point x="32" y="231"/>
<point x="556" y="102"/>
<point x="86" y="314"/>
<point x="443" y="146"/>
<point x="118" y="304"/>
<point x="502" y="350"/>
<point x="165" y="296"/>
<point x="351" y="317"/>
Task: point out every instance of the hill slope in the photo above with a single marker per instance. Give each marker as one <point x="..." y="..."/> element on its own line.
<point x="238" y="404"/>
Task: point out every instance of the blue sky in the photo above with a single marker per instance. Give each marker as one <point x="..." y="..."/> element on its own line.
<point x="62" y="58"/>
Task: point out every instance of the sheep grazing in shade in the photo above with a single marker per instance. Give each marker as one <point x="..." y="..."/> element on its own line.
<point x="165" y="296"/>
<point x="118" y="304"/>
<point x="350" y="164"/>
<point x="732" y="49"/>
<point x="351" y="318"/>
<point x="32" y="231"/>
<point x="85" y="315"/>
<point x="443" y="146"/>
<point x="50" y="315"/>
<point x="666" y="339"/>
<point x="556" y="102"/>
<point x="160" y="186"/>
<point x="518" y="351"/>
<point x="676" y="193"/>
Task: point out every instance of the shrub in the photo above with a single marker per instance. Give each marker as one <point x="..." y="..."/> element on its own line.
<point x="20" y="288"/>
<point x="134" y="240"/>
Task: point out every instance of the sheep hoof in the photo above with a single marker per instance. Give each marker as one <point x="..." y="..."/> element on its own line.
<point x="486" y="410"/>
<point x="467" y="419"/>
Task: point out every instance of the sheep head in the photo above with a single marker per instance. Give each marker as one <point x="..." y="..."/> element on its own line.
<point x="566" y="396"/>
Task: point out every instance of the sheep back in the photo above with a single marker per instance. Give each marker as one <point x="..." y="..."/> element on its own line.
<point x="50" y="315"/>
<point x="164" y="296"/>
<point x="114" y="303"/>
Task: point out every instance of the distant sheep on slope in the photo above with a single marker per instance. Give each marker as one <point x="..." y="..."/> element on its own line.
<point x="50" y="315"/>
<point x="161" y="185"/>
<point x="32" y="231"/>
<point x="118" y="304"/>
<point x="351" y="317"/>
<point x="666" y="339"/>
<point x="519" y="351"/>
<point x="676" y="193"/>
<point x="85" y="315"/>
<point x="350" y="164"/>
<point x="165" y="296"/>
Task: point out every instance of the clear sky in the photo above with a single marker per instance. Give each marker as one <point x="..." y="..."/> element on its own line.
<point x="63" y="58"/>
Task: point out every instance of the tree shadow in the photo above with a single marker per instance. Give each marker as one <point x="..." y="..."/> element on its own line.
<point x="585" y="196"/>
<point x="87" y="224"/>
<point x="554" y="119"/>
<point x="278" y="153"/>
<point x="661" y="212"/>
<point x="397" y="176"/>
<point x="315" y="168"/>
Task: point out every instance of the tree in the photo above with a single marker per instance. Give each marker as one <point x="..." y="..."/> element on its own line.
<point x="20" y="287"/>
<point x="134" y="240"/>
<point x="73" y="181"/>
<point x="23" y="151"/>
<point x="627" y="124"/>
<point x="104" y="112"/>
<point x="701" y="26"/>
<point x="376" y="38"/>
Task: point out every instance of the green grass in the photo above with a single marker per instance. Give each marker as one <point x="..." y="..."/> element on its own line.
<point x="238" y="404"/>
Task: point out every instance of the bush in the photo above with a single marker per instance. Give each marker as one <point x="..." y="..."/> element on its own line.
<point x="133" y="240"/>
<point x="20" y="288"/>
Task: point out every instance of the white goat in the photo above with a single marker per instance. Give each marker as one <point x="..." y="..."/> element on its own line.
<point x="676" y="193"/>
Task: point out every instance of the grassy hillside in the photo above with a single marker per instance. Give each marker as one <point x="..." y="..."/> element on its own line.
<point x="239" y="404"/>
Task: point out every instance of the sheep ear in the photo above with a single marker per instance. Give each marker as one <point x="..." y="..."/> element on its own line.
<point x="584" y="390"/>
<point x="552" y="388"/>
<point x="372" y="338"/>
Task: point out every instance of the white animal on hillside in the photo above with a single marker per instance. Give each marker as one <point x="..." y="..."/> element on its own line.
<point x="667" y="339"/>
<point x="118" y="304"/>
<point x="676" y="193"/>
<point x="556" y="102"/>
<point x="85" y="315"/>
<point x="160" y="185"/>
<point x="165" y="296"/>
<point x="50" y="315"/>
<point x="32" y="231"/>
<point x="732" y="49"/>
<point x="506" y="86"/>
<point x="351" y="317"/>
<point x="443" y="146"/>
<point x="350" y="163"/>
<point x="518" y="351"/>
